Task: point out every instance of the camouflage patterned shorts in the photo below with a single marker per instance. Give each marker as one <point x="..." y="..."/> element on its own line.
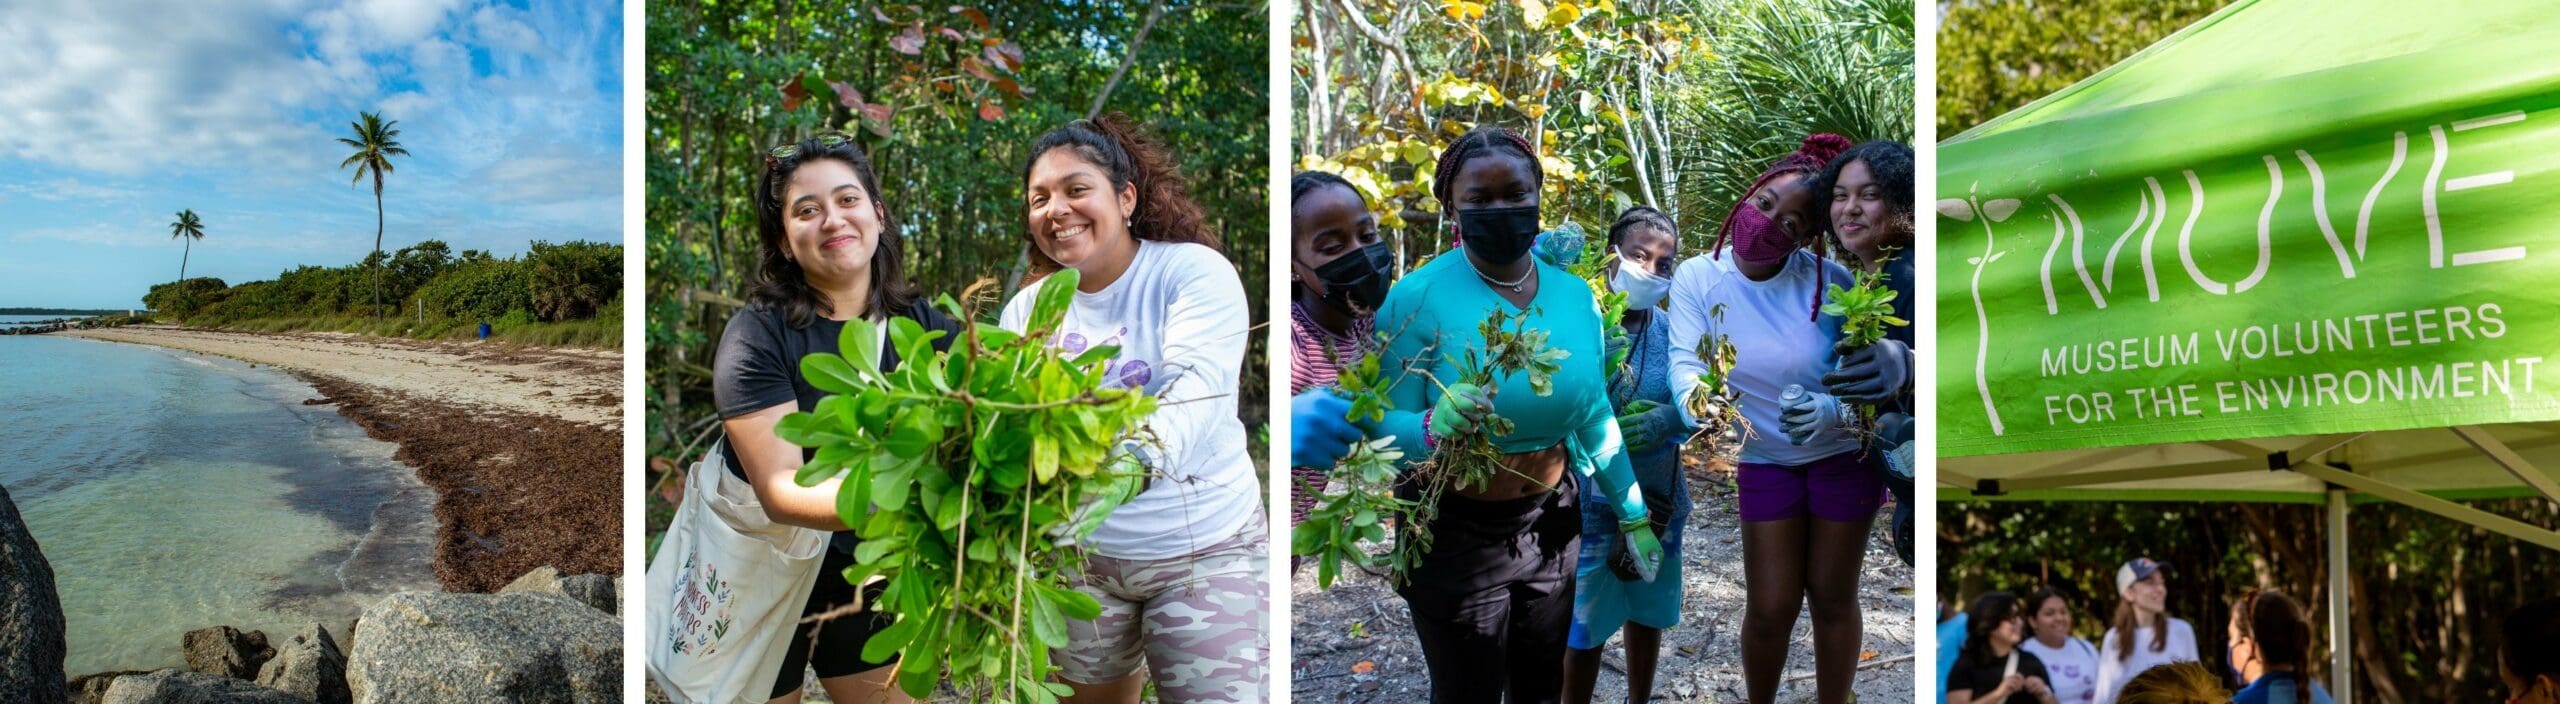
<point x="1196" y="622"/>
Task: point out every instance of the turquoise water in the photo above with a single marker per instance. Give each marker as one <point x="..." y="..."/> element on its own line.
<point x="173" y="491"/>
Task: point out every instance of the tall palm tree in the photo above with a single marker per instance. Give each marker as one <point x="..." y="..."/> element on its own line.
<point x="375" y="142"/>
<point x="190" y="229"/>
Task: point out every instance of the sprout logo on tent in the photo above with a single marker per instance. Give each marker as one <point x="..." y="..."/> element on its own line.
<point x="2388" y="276"/>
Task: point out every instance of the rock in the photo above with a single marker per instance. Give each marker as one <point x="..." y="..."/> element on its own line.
<point x="174" y="686"/>
<point x="309" y="666"/>
<point x="90" y="689"/>
<point x="595" y="590"/>
<point x="225" y="651"/>
<point x="31" y="644"/>
<point x="518" y="647"/>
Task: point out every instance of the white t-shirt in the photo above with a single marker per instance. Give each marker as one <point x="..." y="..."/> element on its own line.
<point x="1178" y="316"/>
<point x="1775" y="343"/>
<point x="2113" y="672"/>
<point x="2072" y="669"/>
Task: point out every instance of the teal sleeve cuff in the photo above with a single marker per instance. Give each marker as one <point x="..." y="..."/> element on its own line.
<point x="1406" y="428"/>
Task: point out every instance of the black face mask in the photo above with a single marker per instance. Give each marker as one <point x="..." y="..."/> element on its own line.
<point x="1500" y="235"/>
<point x="1358" y="278"/>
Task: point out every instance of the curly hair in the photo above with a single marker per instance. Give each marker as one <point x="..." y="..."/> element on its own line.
<point x="1131" y="158"/>
<point x="2531" y="636"/>
<point x="1889" y="162"/>
<point x="1481" y="141"/>
<point x="2174" y="683"/>
<point x="1986" y="615"/>
<point x="778" y="281"/>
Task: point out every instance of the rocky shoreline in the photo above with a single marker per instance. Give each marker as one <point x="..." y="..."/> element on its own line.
<point x="542" y="637"/>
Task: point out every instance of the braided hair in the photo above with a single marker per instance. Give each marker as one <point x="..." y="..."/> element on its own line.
<point x="1817" y="150"/>
<point x="1481" y="141"/>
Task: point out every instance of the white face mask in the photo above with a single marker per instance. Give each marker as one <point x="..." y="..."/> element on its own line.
<point x="1643" y="289"/>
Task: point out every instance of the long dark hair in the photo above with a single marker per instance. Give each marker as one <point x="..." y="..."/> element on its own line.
<point x="1816" y="151"/>
<point x="2531" y="636"/>
<point x="1891" y="164"/>
<point x="1130" y="157"/>
<point x="1481" y="141"/>
<point x="1988" y="612"/>
<point x="2283" y="634"/>
<point x="779" y="282"/>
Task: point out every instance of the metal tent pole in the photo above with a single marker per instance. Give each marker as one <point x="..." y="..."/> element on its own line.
<point x="2341" y="649"/>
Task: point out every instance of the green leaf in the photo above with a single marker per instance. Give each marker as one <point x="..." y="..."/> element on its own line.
<point x="832" y="374"/>
<point x="887" y="642"/>
<point x="917" y="433"/>
<point x="1074" y="604"/>
<point x="860" y="344"/>
<point x="1048" y="625"/>
<point x="829" y="462"/>
<point x="1095" y="355"/>
<point x="889" y="484"/>
<point x="1049" y="307"/>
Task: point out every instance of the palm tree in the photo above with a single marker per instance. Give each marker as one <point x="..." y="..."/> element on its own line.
<point x="376" y="141"/>
<point x="188" y="228"/>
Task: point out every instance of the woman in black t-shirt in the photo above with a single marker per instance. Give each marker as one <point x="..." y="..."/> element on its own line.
<point x="1992" y="670"/>
<point x="829" y="253"/>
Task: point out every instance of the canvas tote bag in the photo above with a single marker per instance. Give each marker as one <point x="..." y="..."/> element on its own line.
<point x="725" y="590"/>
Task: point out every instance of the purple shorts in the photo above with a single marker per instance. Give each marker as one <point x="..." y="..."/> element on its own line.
<point x="1836" y="488"/>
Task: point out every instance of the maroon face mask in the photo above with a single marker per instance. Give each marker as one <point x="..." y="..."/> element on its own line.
<point x="1757" y="239"/>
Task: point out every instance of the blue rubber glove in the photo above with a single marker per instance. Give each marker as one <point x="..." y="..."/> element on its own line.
<point x="1810" y="416"/>
<point x="1872" y="374"/>
<point x="1319" y="431"/>
<point x="1561" y="246"/>
<point x="1458" y="409"/>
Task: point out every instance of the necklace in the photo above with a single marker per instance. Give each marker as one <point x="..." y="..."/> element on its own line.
<point x="1513" y="284"/>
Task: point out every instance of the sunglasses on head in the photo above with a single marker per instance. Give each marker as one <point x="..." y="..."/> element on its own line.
<point x="825" y="141"/>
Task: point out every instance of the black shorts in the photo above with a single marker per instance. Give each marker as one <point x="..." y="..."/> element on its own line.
<point x="839" y="641"/>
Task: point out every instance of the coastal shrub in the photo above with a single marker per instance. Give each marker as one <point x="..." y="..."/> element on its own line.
<point x="572" y="280"/>
<point x="181" y="298"/>
<point x="478" y="291"/>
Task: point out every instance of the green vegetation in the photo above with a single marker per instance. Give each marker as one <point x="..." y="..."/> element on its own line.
<point x="1672" y="104"/>
<point x="557" y="294"/>
<point x="189" y="228"/>
<point x="946" y="100"/>
<point x="375" y="142"/>
<point x="1995" y="56"/>
<point x="2428" y="591"/>
<point x="959" y="469"/>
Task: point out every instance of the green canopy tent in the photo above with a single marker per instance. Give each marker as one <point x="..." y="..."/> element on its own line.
<point x="2300" y="251"/>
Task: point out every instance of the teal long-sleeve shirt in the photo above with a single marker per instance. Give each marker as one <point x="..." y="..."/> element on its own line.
<point x="1431" y="317"/>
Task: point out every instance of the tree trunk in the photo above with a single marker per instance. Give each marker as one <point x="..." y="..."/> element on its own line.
<point x="377" y="244"/>
<point x="182" y="258"/>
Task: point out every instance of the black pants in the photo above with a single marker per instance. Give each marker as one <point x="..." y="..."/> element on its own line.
<point x="839" y="641"/>
<point x="1493" y="599"/>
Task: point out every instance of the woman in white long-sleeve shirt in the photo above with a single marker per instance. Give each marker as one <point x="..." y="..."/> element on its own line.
<point x="2144" y="634"/>
<point x="1178" y="569"/>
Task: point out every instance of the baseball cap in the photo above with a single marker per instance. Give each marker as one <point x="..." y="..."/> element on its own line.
<point x="2136" y="570"/>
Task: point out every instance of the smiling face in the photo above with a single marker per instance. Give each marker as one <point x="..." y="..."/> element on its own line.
<point x="2008" y="634"/>
<point x="831" y="225"/>
<point x="1861" y="215"/>
<point x="1788" y="205"/>
<point x="1077" y="218"/>
<point x="2149" y="594"/>
<point x="1326" y="224"/>
<point x="2053" y="620"/>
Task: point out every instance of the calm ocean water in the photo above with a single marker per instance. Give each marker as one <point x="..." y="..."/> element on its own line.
<point x="173" y="491"/>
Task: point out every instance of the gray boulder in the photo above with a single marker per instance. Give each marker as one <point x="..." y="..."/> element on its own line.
<point x="594" y="590"/>
<point x="31" y="645"/>
<point x="309" y="666"/>
<point x="225" y="651"/>
<point x="512" y="647"/>
<point x="174" y="686"/>
<point x="90" y="689"/>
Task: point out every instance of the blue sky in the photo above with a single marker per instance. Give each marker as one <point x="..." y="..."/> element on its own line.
<point x="116" y="114"/>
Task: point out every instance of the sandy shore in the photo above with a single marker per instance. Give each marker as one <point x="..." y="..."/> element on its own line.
<point x="523" y="445"/>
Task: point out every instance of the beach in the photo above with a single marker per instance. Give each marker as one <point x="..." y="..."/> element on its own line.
<point x="522" y="445"/>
